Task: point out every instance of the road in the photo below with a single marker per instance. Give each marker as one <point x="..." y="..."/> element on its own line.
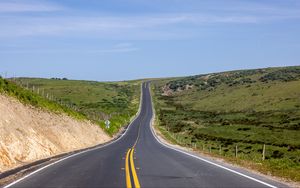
<point x="138" y="159"/>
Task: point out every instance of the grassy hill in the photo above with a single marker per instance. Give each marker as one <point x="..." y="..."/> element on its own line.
<point x="28" y="97"/>
<point x="34" y="127"/>
<point x="116" y="101"/>
<point x="244" y="109"/>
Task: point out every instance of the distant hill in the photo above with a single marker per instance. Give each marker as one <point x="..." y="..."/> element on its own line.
<point x="247" y="108"/>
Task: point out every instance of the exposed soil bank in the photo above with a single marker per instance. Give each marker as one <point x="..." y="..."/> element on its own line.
<point x="28" y="134"/>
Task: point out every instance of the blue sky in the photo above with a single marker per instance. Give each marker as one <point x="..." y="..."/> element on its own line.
<point x="129" y="39"/>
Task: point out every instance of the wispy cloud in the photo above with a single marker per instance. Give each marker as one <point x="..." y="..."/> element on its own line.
<point x="103" y="26"/>
<point x="141" y="26"/>
<point x="123" y="45"/>
<point x="28" y="6"/>
<point x="262" y="11"/>
<point x="117" y="48"/>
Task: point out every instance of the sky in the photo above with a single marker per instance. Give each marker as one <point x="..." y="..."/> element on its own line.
<point x="110" y="40"/>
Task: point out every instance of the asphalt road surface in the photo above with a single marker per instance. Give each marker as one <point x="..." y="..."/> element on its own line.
<point x="138" y="159"/>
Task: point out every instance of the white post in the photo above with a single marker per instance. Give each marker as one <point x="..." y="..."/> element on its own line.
<point x="263" y="152"/>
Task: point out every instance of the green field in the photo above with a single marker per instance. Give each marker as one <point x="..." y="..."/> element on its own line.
<point x="98" y="101"/>
<point x="246" y="109"/>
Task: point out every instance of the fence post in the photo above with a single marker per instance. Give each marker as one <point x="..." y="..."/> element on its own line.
<point x="220" y="150"/>
<point x="263" y="152"/>
<point x="236" y="151"/>
<point x="209" y="148"/>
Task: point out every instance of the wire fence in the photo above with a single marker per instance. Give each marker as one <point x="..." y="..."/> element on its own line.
<point x="47" y="94"/>
<point x="43" y="93"/>
<point x="233" y="150"/>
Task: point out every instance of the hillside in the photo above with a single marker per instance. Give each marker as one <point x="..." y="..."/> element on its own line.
<point x="32" y="127"/>
<point x="237" y="111"/>
<point x="98" y="101"/>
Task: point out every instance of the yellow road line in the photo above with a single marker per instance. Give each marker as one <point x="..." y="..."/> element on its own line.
<point x="135" y="177"/>
<point x="137" y="139"/>
<point x="128" y="181"/>
<point x="129" y="156"/>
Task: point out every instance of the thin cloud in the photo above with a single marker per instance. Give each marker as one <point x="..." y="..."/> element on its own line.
<point x="16" y="26"/>
<point x="123" y="45"/>
<point x="29" y="6"/>
<point x="118" y="48"/>
<point x="151" y="26"/>
<point x="115" y="50"/>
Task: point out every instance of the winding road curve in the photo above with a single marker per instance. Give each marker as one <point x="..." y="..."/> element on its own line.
<point x="139" y="159"/>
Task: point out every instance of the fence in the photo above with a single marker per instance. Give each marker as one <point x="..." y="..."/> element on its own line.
<point x="45" y="94"/>
<point x="219" y="149"/>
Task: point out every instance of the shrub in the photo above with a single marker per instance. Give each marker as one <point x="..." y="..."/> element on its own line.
<point x="277" y="154"/>
<point x="287" y="74"/>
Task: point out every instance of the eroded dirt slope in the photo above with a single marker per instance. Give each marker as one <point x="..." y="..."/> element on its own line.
<point x="28" y="133"/>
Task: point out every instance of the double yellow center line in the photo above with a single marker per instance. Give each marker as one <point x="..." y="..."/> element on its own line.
<point x="129" y="162"/>
<point x="129" y="166"/>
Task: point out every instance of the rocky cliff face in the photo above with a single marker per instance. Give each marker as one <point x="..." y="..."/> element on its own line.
<point x="28" y="134"/>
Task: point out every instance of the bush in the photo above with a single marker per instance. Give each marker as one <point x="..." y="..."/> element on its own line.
<point x="244" y="129"/>
<point x="287" y="74"/>
<point x="277" y="154"/>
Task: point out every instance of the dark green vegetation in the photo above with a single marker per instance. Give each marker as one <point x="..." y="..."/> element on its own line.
<point x="247" y="109"/>
<point x="98" y="101"/>
<point x="28" y="97"/>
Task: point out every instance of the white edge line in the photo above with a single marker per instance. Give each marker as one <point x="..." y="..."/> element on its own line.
<point x="197" y="157"/>
<point x="68" y="157"/>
